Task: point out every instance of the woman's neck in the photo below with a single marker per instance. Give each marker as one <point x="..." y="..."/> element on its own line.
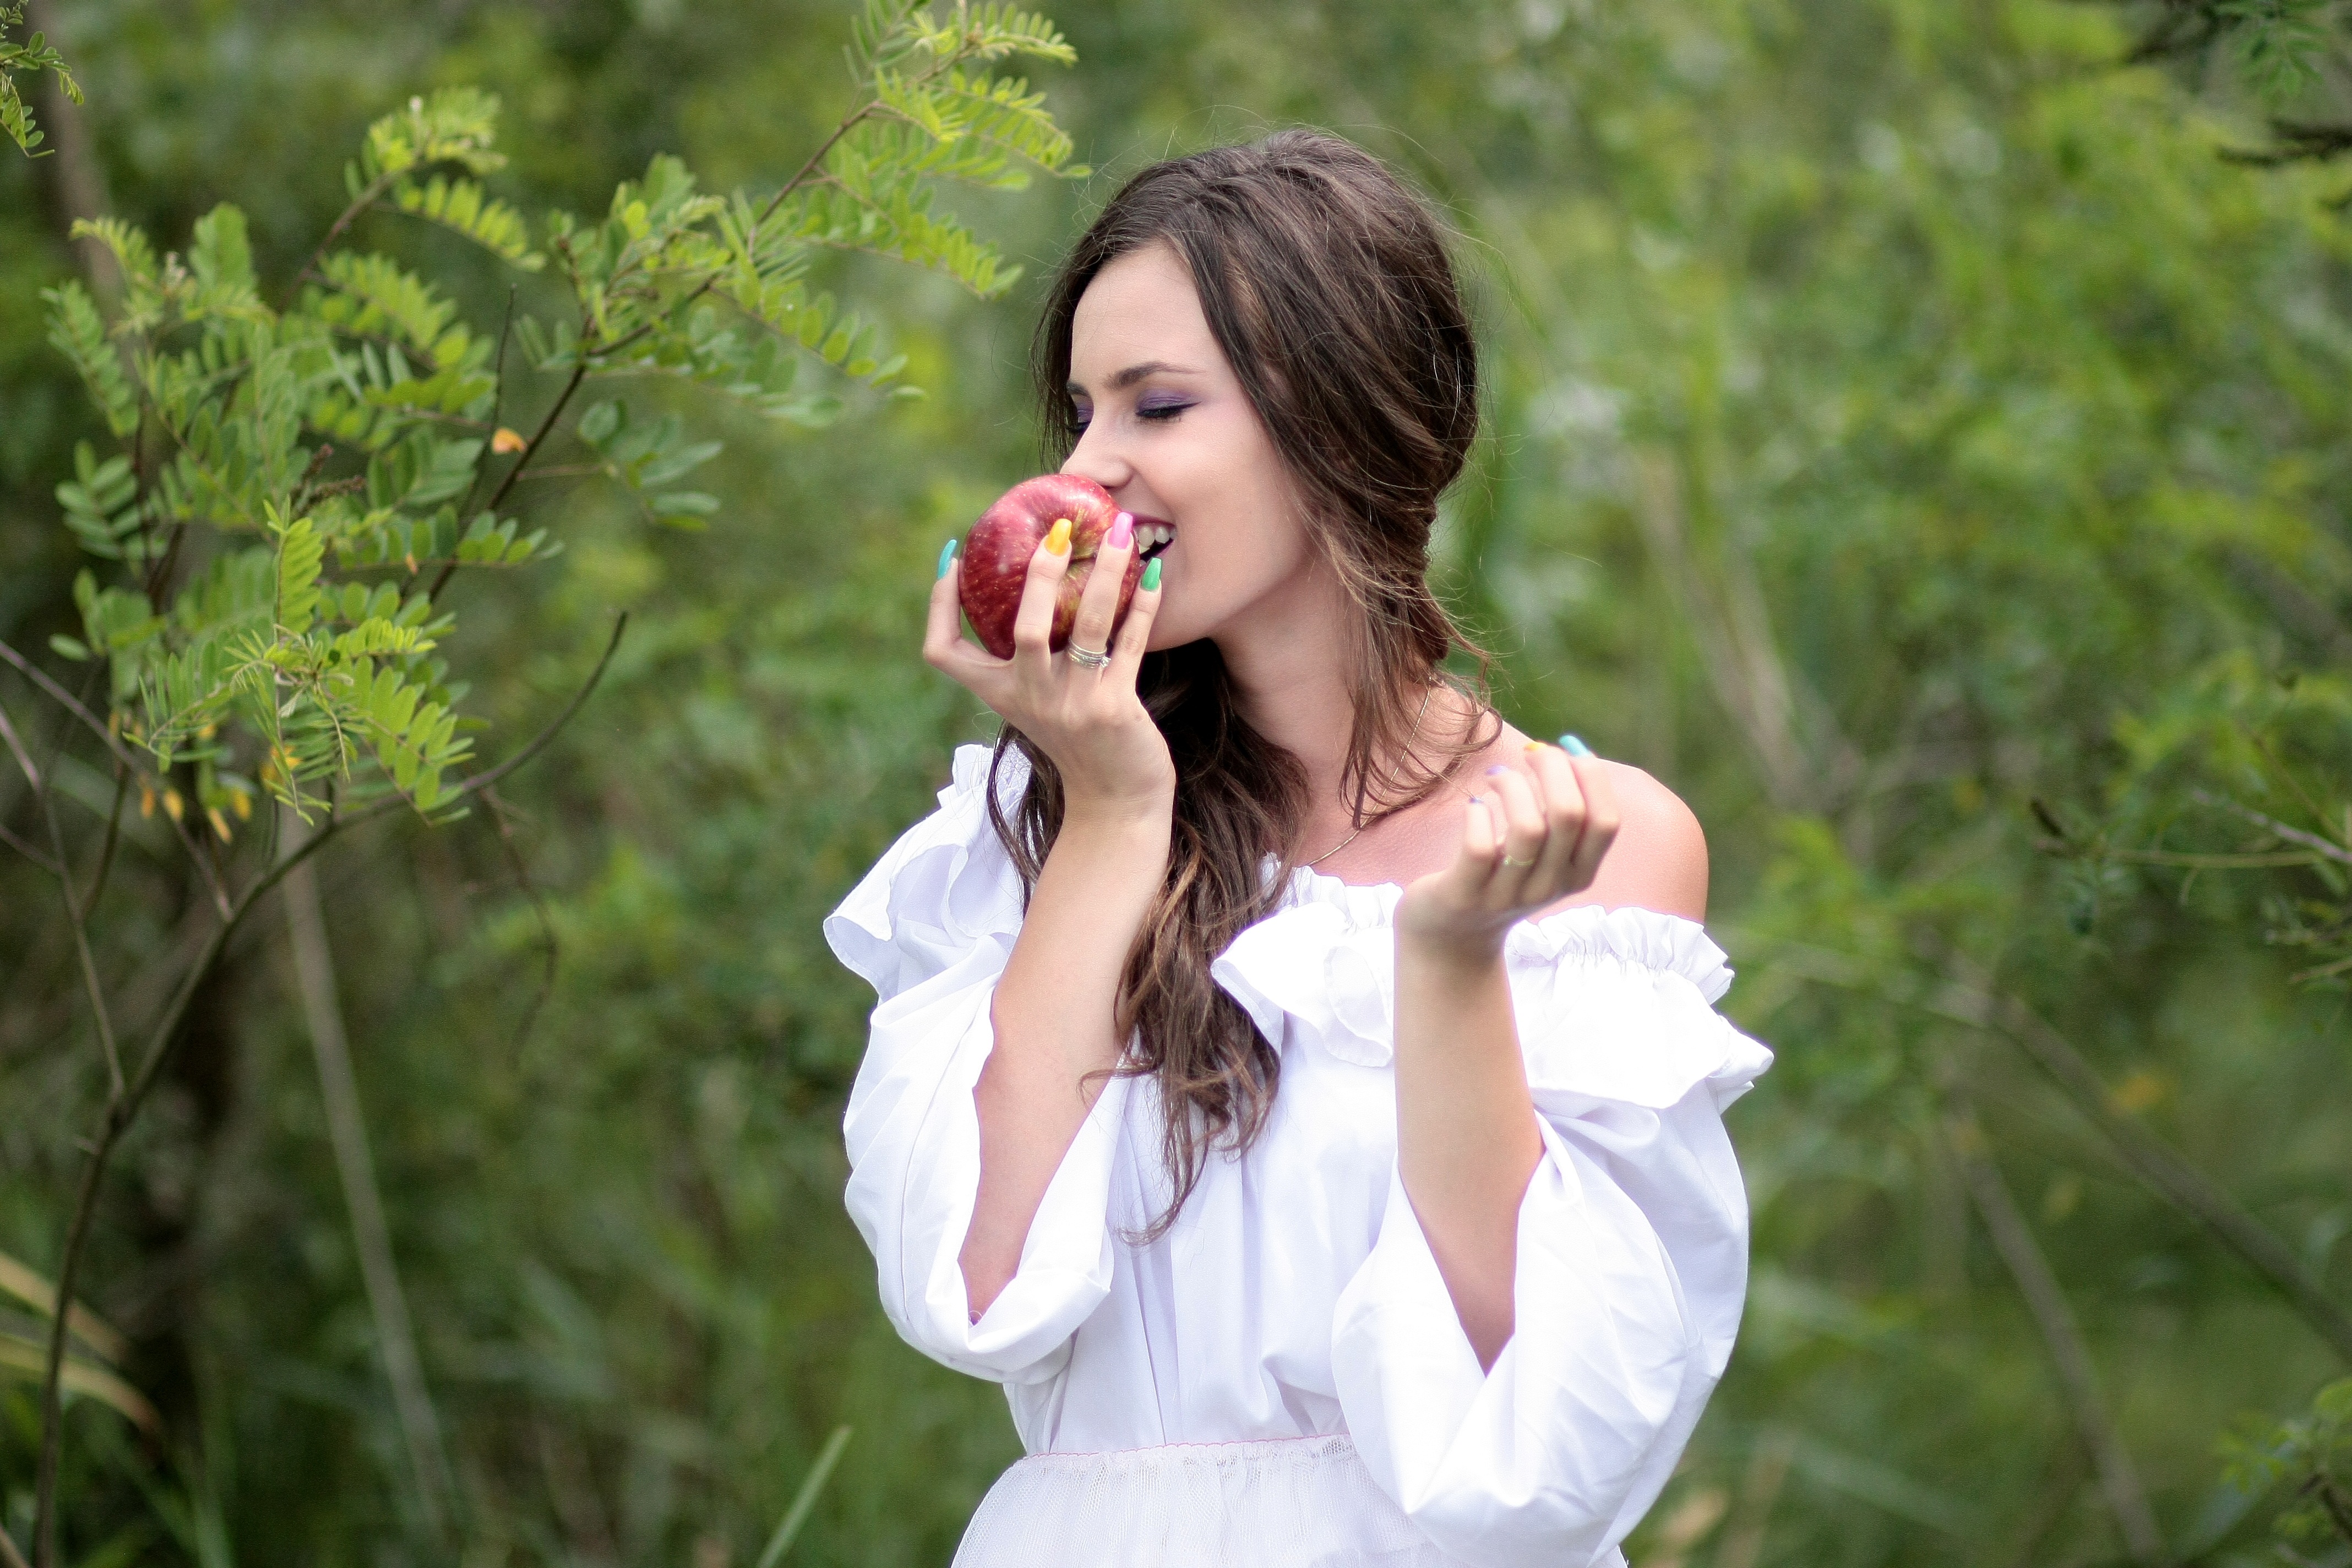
<point x="1292" y="669"/>
<point x="1291" y="662"/>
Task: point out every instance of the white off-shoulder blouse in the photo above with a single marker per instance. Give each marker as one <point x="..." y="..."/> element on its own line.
<point x="1280" y="1378"/>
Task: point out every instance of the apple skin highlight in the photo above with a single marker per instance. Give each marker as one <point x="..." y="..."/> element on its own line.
<point x="997" y="551"/>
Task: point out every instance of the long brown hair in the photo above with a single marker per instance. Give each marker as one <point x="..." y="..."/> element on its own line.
<point x="1326" y="285"/>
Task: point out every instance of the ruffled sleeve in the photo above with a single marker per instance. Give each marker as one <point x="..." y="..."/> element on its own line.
<point x="931" y="927"/>
<point x="1631" y="1237"/>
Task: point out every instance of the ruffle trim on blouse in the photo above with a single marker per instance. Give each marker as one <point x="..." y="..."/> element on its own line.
<point x="945" y="884"/>
<point x="1612" y="1005"/>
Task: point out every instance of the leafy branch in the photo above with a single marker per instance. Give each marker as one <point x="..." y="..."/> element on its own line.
<point x="323" y="443"/>
<point x="124" y="1099"/>
<point x="33" y="54"/>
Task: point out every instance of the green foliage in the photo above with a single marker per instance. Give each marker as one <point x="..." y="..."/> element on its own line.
<point x="2311" y="1457"/>
<point x="247" y="403"/>
<point x="280" y="479"/>
<point x="32" y="54"/>
<point x="1900" y="416"/>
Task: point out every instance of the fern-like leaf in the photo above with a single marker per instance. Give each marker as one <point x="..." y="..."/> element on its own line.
<point x="79" y="333"/>
<point x="300" y="555"/>
<point x="463" y="207"/>
<point x="221" y="263"/>
<point x="452" y="125"/>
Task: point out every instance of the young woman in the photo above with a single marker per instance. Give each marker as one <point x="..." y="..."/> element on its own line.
<point x="1297" y="1087"/>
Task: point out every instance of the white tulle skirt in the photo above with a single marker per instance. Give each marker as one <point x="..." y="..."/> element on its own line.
<point x="1293" y="1503"/>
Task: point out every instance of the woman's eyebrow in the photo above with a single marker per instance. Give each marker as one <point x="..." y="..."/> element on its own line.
<point x="1134" y="373"/>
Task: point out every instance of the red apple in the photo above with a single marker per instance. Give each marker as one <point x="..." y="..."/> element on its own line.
<point x="997" y="551"/>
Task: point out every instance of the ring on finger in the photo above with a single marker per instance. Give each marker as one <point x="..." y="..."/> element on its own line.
<point x="1088" y="658"/>
<point x="1519" y="864"/>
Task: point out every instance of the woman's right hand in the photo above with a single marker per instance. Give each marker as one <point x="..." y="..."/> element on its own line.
<point x="1113" y="759"/>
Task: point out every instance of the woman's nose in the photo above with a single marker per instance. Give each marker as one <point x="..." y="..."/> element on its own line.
<point x="1094" y="458"/>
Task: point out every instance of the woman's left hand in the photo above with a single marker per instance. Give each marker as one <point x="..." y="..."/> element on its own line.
<point x="1534" y="835"/>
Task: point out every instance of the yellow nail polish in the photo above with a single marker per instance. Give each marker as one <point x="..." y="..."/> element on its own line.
<point x="1535" y="745"/>
<point x="1058" y="541"/>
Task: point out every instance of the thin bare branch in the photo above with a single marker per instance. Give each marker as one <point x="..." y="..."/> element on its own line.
<point x="500" y="814"/>
<point x="2164" y="1172"/>
<point x="121" y="754"/>
<point x="113" y="838"/>
<point x="2311" y="841"/>
<point x="2183" y="858"/>
<point x="61" y="865"/>
<point x="30" y="851"/>
<point x="339" y="1094"/>
<point x="24" y="758"/>
<point x="2078" y="1378"/>
<point x="1966" y="998"/>
<point x="369" y="195"/>
<point x="538" y="743"/>
<point x="530" y="449"/>
<point x="498" y="398"/>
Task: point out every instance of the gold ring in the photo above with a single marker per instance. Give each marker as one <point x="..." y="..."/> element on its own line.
<point x="1522" y="865"/>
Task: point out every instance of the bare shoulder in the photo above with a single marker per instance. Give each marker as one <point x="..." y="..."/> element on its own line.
<point x="1659" y="859"/>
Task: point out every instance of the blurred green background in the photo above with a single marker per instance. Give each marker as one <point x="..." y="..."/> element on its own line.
<point x="1899" y="414"/>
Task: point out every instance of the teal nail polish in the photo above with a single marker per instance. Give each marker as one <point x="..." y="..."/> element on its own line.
<point x="1574" y="747"/>
<point x="947" y="557"/>
<point x="1151" y="584"/>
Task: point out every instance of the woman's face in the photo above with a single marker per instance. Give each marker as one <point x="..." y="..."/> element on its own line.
<point x="1167" y="429"/>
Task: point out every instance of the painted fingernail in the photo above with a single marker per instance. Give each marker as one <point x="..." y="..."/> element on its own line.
<point x="1574" y="747"/>
<point x="1122" y="531"/>
<point x="1151" y="584"/>
<point x="1058" y="541"/>
<point x="1497" y="769"/>
<point x="1534" y="746"/>
<point x="947" y="558"/>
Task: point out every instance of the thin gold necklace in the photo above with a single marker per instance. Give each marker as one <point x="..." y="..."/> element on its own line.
<point x="1408" y="752"/>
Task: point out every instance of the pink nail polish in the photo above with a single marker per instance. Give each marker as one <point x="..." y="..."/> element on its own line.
<point x="1122" y="531"/>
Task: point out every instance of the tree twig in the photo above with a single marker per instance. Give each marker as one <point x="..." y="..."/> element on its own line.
<point x="499" y="813"/>
<point x="372" y="1236"/>
<point x="369" y="195"/>
<point x="63" y="868"/>
<point x="123" y="1107"/>
<point x="538" y="743"/>
<point x="122" y="754"/>
<point x="530" y="449"/>
<point x="1966" y="998"/>
<point x="2311" y="841"/>
<point x="113" y="838"/>
<point x="2078" y="1378"/>
<point x="32" y="852"/>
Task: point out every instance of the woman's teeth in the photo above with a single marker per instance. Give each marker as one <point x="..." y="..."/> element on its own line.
<point x="1153" y="536"/>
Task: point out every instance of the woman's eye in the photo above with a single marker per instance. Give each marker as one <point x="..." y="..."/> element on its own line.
<point x="1161" y="411"/>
